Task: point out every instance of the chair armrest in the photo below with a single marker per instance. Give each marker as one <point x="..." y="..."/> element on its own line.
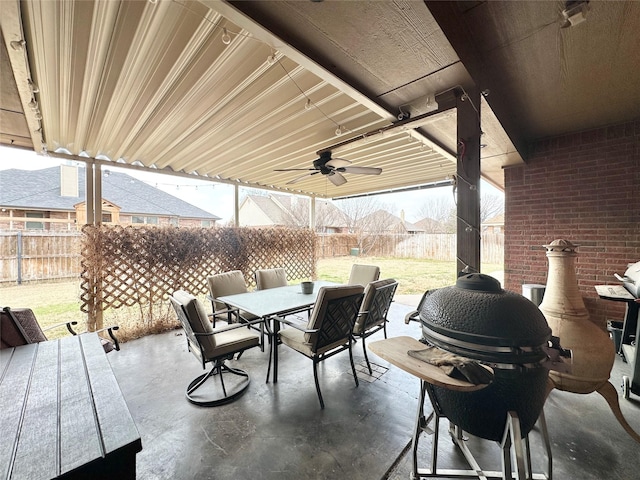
<point x="226" y="310"/>
<point x="63" y="324"/>
<point x="414" y="315"/>
<point x="232" y="327"/>
<point x="110" y="330"/>
<point x="297" y="326"/>
<point x="229" y="312"/>
<point x="411" y="317"/>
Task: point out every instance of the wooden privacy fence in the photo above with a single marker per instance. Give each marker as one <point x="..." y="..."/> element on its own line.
<point x="437" y="246"/>
<point x="28" y="256"/>
<point x="127" y="266"/>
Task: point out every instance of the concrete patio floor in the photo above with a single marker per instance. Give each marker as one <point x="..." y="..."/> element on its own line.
<point x="278" y="431"/>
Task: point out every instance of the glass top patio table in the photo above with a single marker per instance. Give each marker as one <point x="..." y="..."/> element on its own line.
<point x="272" y="302"/>
<point x="275" y="301"/>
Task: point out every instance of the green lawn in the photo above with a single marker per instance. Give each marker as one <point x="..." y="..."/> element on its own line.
<point x="414" y="275"/>
<point x="51" y="303"/>
<point x="59" y="302"/>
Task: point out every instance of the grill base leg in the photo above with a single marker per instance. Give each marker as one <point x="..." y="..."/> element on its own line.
<point x="515" y="450"/>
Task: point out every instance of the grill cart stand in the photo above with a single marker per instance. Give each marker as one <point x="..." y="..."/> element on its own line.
<point x="515" y="450"/>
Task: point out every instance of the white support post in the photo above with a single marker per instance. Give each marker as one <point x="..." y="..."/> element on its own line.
<point x="97" y="198"/>
<point x="89" y="195"/>
<point x="236" y="205"/>
<point x="312" y="214"/>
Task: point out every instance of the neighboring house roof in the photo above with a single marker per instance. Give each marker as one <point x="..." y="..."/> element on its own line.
<point x="285" y="209"/>
<point x="430" y="225"/>
<point x="383" y="221"/>
<point x="271" y="209"/>
<point x="40" y="189"/>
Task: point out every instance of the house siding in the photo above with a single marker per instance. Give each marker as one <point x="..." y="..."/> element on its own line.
<point x="252" y="216"/>
<point x="66" y="221"/>
<point x="583" y="187"/>
<point x="52" y="221"/>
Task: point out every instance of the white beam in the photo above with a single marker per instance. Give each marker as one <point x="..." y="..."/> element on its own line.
<point x="11" y="26"/>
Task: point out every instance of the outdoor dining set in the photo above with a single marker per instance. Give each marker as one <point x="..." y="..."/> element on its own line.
<point x="317" y="319"/>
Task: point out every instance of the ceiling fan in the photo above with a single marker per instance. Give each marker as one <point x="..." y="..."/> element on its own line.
<point x="333" y="168"/>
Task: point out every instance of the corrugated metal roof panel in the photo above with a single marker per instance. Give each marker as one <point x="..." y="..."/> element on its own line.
<point x="155" y="85"/>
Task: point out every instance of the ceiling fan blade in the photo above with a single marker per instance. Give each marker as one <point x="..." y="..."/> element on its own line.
<point x="302" y="177"/>
<point x="337" y="179"/>
<point x="338" y="163"/>
<point x="361" y="170"/>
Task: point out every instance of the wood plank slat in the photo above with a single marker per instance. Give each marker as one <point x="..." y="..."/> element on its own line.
<point x="62" y="413"/>
<point x="116" y="423"/>
<point x="79" y="439"/>
<point x="39" y="431"/>
<point x="14" y="388"/>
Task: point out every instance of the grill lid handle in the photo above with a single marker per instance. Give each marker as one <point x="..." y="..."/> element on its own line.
<point x="624" y="279"/>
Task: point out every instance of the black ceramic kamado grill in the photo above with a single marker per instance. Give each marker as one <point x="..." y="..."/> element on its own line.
<point x="485" y="368"/>
<point x="475" y="326"/>
<point x="628" y="292"/>
<point x="478" y="320"/>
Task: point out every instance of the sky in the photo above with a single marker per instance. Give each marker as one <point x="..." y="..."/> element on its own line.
<point x="217" y="198"/>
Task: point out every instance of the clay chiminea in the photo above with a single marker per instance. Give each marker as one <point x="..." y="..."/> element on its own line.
<point x="592" y="351"/>
<point x="562" y="305"/>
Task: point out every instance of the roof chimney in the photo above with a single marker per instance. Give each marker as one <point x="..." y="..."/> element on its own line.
<point x="68" y="181"/>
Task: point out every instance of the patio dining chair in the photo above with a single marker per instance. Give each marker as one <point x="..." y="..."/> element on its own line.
<point x="329" y="329"/>
<point x="271" y="278"/>
<point x="20" y="327"/>
<point x="363" y="274"/>
<point x="214" y="346"/>
<point x="227" y="283"/>
<point x="373" y="313"/>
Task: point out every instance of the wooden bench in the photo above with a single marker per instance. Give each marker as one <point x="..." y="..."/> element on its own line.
<point x="63" y="414"/>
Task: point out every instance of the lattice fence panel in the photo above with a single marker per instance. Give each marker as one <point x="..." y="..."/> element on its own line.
<point x="127" y="266"/>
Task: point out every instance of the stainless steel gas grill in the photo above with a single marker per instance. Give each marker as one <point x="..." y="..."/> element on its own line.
<point x="628" y="292"/>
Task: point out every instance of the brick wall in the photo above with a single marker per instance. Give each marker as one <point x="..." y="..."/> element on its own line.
<point x="583" y="187"/>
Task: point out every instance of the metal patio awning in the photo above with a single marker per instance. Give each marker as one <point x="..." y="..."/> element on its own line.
<point x="200" y="88"/>
<point x="159" y="84"/>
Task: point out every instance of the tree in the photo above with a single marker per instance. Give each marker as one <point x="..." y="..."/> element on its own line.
<point x="356" y="210"/>
<point x="298" y="212"/>
<point x="442" y="211"/>
<point x="326" y="214"/>
<point x="490" y="206"/>
<point x="364" y="219"/>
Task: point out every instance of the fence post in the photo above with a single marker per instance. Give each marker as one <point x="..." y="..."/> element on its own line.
<point x="19" y="255"/>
